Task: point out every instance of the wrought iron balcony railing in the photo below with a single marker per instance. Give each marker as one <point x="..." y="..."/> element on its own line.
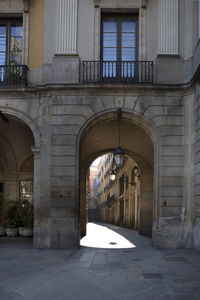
<point x="13" y="75"/>
<point x="117" y="71"/>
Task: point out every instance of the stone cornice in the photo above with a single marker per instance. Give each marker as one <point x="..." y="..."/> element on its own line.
<point x="102" y="88"/>
<point x="97" y="3"/>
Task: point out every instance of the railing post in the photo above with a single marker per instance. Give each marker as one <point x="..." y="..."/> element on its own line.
<point x="13" y="75"/>
<point x="117" y="71"/>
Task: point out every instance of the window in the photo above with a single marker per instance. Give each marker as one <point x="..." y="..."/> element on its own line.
<point x="121" y="210"/>
<point x="119" y="45"/>
<point x="10" y="41"/>
<point x="121" y="185"/>
<point x="127" y="179"/>
<point x="1" y="188"/>
<point x="133" y="177"/>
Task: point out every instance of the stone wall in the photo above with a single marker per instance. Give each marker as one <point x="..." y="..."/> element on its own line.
<point x="196" y="171"/>
<point x="60" y="120"/>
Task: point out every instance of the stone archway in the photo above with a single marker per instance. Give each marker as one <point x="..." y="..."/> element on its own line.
<point x="138" y="141"/>
<point x="19" y="137"/>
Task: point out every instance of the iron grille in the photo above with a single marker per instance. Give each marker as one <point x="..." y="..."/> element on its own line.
<point x="12" y="75"/>
<point x="117" y="71"/>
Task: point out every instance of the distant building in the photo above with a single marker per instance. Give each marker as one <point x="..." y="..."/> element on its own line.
<point x="92" y="194"/>
<point x="119" y="200"/>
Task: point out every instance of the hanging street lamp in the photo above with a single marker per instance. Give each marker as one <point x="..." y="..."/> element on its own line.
<point x="119" y="154"/>
<point x="112" y="175"/>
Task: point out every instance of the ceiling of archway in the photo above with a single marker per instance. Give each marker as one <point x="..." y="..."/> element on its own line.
<point x="16" y="139"/>
<point x="103" y="137"/>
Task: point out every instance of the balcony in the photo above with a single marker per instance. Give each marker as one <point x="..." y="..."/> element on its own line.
<point x="13" y="75"/>
<point x="117" y="72"/>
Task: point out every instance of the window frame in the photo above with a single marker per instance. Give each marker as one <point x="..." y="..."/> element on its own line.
<point x="119" y="17"/>
<point x="8" y="22"/>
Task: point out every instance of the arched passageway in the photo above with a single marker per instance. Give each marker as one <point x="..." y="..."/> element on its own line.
<point x="100" y="137"/>
<point x="16" y="169"/>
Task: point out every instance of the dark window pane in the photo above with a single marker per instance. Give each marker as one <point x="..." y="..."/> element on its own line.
<point x="109" y="26"/>
<point x="16" y="31"/>
<point x="128" y="54"/>
<point x="110" y="54"/>
<point x="121" y="185"/>
<point x="128" y="40"/>
<point x="110" y="40"/>
<point x="1" y="187"/>
<point x="128" y="26"/>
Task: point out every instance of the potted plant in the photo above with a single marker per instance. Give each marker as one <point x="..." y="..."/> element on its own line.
<point x="26" y="218"/>
<point x="2" y="215"/>
<point x="12" y="74"/>
<point x="12" y="218"/>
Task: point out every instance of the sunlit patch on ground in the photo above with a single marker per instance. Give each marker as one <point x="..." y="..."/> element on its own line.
<point x="99" y="236"/>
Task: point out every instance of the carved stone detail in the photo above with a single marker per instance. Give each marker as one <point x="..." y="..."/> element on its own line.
<point x="96" y="3"/>
<point x="26" y="5"/>
<point x="144" y="3"/>
<point x="4" y="3"/>
<point x="36" y="152"/>
<point x="13" y="6"/>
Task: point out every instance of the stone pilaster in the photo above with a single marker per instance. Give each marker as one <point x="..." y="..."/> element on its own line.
<point x="199" y="20"/>
<point x="142" y="37"/>
<point x="67" y="27"/>
<point x="168" y="27"/>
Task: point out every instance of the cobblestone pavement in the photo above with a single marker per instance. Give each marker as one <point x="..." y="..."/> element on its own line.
<point x="135" y="271"/>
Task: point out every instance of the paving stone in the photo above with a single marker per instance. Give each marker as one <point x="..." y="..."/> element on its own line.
<point x="140" y="273"/>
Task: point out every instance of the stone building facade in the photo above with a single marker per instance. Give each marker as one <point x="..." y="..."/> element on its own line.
<point x="92" y="194"/>
<point x="119" y="199"/>
<point x="62" y="105"/>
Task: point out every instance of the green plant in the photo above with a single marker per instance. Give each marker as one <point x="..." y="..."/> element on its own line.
<point x="26" y="214"/>
<point x="11" y="223"/>
<point x="12" y="214"/>
<point x="2" y="211"/>
<point x="12" y="74"/>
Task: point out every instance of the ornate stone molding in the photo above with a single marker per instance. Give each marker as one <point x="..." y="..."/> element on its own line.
<point x="12" y="6"/>
<point x="36" y="151"/>
<point x="96" y="3"/>
<point x="144" y="3"/>
<point x="4" y="3"/>
<point x="26" y="6"/>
